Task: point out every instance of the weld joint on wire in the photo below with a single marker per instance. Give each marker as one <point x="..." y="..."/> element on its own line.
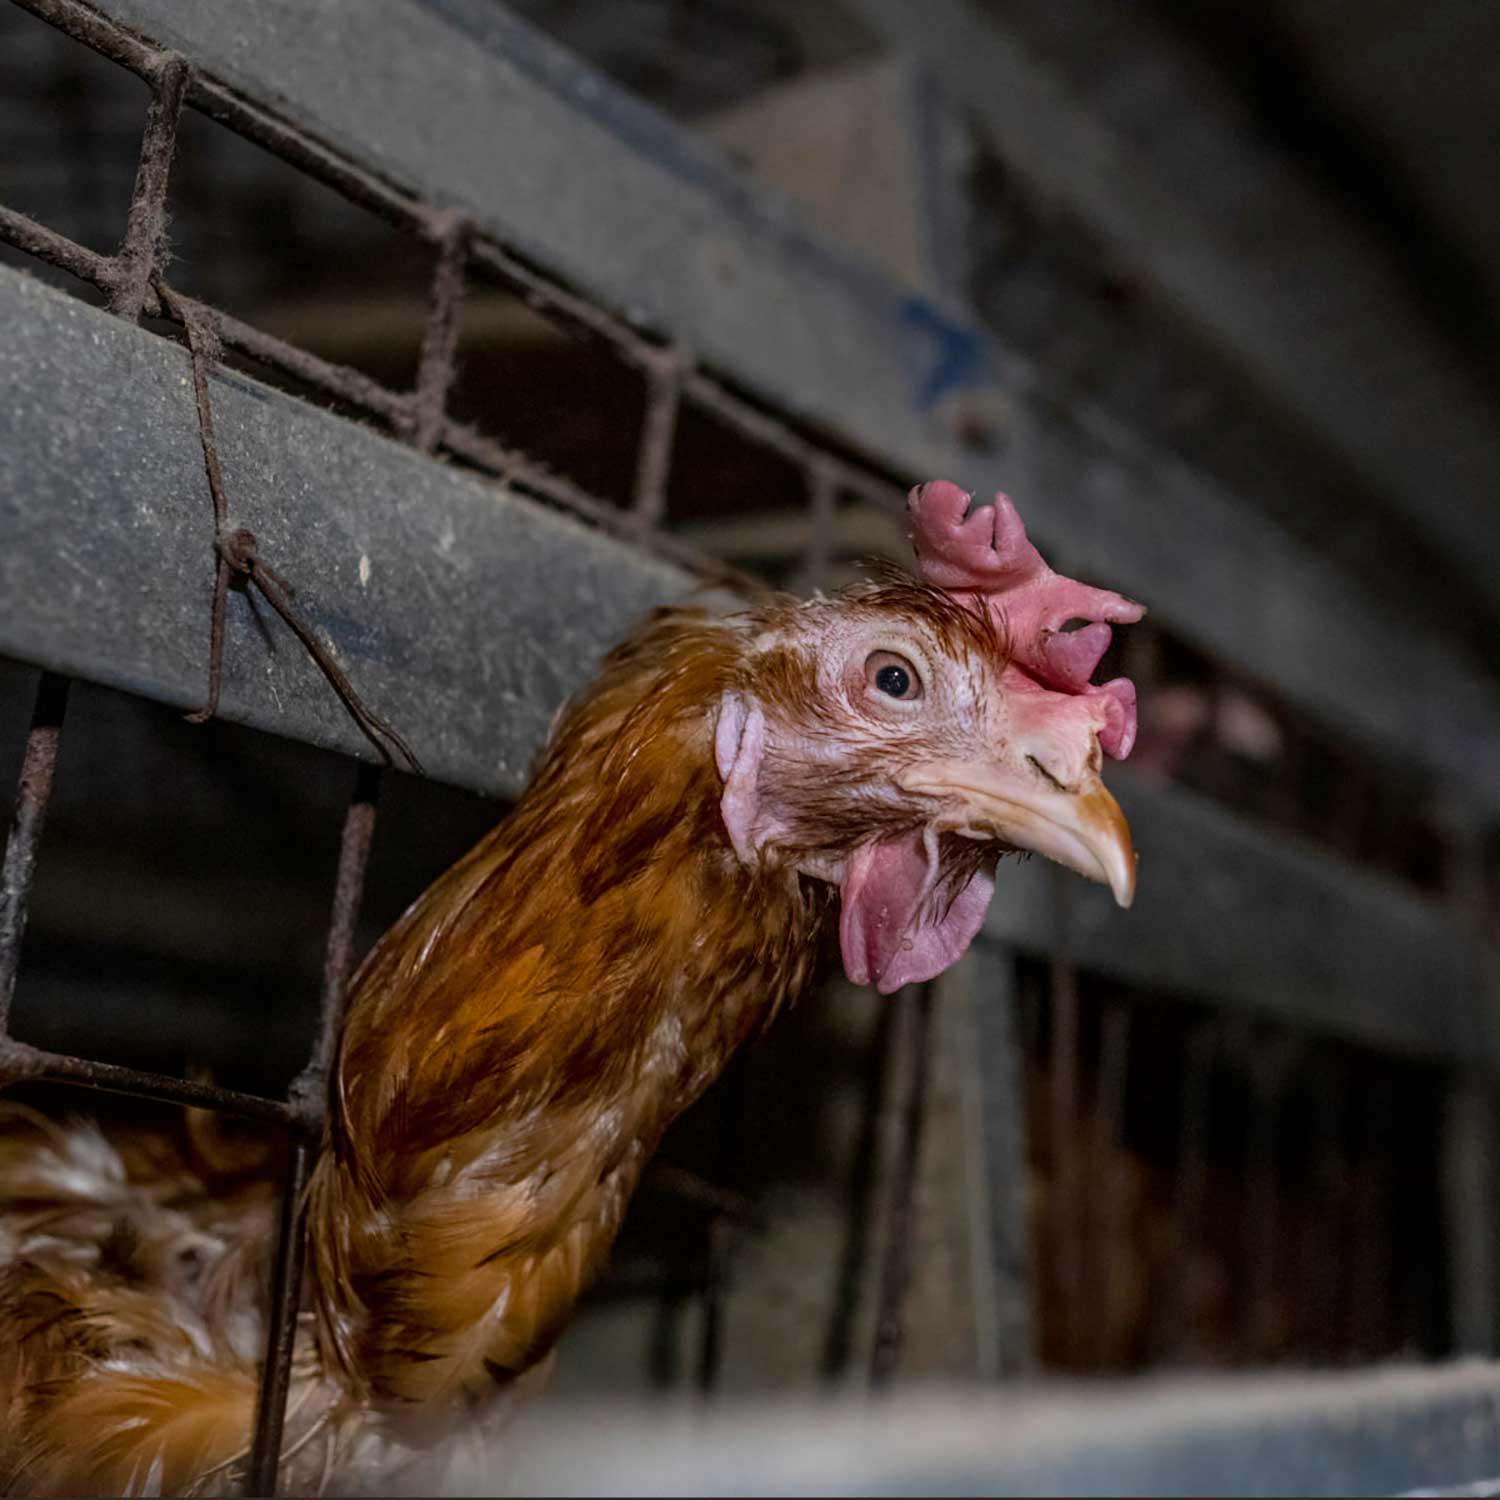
<point x="19" y="1061"/>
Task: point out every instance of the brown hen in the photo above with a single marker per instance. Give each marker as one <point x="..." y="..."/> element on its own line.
<point x="725" y="792"/>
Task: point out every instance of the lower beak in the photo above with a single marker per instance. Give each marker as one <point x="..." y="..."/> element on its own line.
<point x="1084" y="830"/>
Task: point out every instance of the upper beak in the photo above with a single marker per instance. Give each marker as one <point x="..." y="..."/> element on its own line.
<point x="1083" y="829"/>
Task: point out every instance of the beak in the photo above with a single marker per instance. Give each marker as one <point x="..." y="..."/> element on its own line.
<point x="1083" y="829"/>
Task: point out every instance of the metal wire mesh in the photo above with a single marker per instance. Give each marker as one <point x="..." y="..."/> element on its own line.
<point x="133" y="285"/>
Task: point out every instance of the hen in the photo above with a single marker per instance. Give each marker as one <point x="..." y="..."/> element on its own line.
<point x="725" y="791"/>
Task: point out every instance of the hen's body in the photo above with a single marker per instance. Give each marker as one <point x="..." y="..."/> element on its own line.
<point x="505" y="1073"/>
<point x="514" y="1048"/>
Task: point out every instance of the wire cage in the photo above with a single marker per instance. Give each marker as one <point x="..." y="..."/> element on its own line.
<point x="1177" y="1135"/>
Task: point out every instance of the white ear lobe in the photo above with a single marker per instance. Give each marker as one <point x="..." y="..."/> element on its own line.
<point x="739" y="743"/>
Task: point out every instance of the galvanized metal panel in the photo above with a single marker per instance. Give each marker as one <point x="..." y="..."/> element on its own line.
<point x="1266" y="923"/>
<point x="1378" y="1432"/>
<point x="1328" y="325"/>
<point x="463" y="613"/>
<point x="465" y="106"/>
<point x="466" y="614"/>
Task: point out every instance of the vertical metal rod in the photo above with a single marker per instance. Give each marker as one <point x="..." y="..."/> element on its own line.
<point x="309" y="1091"/>
<point x="281" y="1337"/>
<point x="716" y="1286"/>
<point x="1008" y="1343"/>
<point x="721" y="1230"/>
<point x="308" y="1097"/>
<point x="143" y="251"/>
<point x="895" y="1274"/>
<point x="1327" y="1255"/>
<point x="822" y="511"/>
<point x="1108" y="1171"/>
<point x="28" y="816"/>
<point x="1263" y="1195"/>
<point x="839" y="1343"/>
<point x="658" y="432"/>
<point x="1470" y="1121"/>
<point x="1370" y="1228"/>
<point x="436" y="364"/>
<point x="1191" y="1178"/>
<point x="1064" y="1218"/>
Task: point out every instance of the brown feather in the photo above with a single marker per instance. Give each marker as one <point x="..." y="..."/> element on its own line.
<point x="517" y="1043"/>
<point x="513" y="1049"/>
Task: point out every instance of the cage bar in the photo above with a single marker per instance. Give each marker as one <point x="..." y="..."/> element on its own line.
<point x="28" y="818"/>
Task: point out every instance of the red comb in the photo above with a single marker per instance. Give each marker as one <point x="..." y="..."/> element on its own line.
<point x="986" y="554"/>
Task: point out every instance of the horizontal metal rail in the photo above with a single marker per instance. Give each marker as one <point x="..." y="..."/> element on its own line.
<point x="454" y="606"/>
<point x="656" y="232"/>
<point x="1425" y="439"/>
<point x="1261" y="922"/>
<point x="1380" y="1432"/>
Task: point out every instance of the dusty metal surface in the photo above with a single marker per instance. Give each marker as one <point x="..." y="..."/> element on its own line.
<point x="1379" y="1432"/>
<point x="656" y="227"/>
<point x="1258" y="922"/>
<point x="450" y="602"/>
<point x="1335" y="335"/>
<point x="465" y="633"/>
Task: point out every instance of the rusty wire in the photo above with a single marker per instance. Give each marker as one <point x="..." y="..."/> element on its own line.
<point x="237" y="554"/>
<point x="403" y="411"/>
<point x="914" y="1059"/>
<point x="143" y="252"/>
<point x="133" y="283"/>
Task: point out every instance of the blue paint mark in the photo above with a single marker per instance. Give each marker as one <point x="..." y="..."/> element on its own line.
<point x="947" y="355"/>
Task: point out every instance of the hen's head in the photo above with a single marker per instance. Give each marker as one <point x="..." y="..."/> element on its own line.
<point x="896" y="739"/>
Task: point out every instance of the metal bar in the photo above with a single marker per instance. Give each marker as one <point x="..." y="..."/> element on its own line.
<point x="479" y="679"/>
<point x="310" y="1088"/>
<point x="55" y="249"/>
<point x="1371" y="1227"/>
<point x="1265" y="924"/>
<point x="1263" y="1191"/>
<point x="800" y="324"/>
<point x="1329" y="1252"/>
<point x="1106" y="1221"/>
<point x="18" y="1062"/>
<point x="1223" y="910"/>
<point x="1190" y="1184"/>
<point x="1000" y="1066"/>
<point x="281" y="1338"/>
<point x="914" y="1054"/>
<point x="1397" y="1429"/>
<point x="722" y="1226"/>
<point x="822" y="507"/>
<point x="144" y="249"/>
<point x="323" y="376"/>
<point x="1470" y="1165"/>
<point x="838" y="1344"/>
<point x="654" y="462"/>
<point x="440" y="337"/>
<point x="28" y="818"/>
<point x="1064" y="1218"/>
<point x="307" y="1099"/>
<point x="1425" y="443"/>
<point x="754" y="421"/>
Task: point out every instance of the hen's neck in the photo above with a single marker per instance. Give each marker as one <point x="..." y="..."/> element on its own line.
<point x="606" y="926"/>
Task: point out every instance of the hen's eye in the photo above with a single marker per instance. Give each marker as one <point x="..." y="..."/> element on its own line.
<point x="893" y="675"/>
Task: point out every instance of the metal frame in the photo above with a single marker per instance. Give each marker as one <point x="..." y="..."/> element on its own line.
<point x="1377" y="1432"/>
<point x="658" y="235"/>
<point x="759" y="308"/>
<point x="1426" y="442"/>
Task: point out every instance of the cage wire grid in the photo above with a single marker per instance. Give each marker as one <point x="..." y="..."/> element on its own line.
<point x="134" y="286"/>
